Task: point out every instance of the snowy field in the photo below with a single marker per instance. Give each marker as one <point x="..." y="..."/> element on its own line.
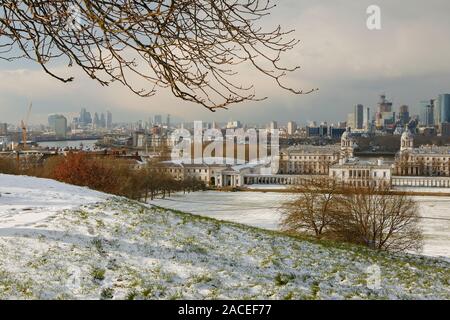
<point x="65" y="242"/>
<point x="260" y="209"/>
<point x="27" y="201"/>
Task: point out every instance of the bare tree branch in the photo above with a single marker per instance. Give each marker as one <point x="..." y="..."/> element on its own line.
<point x="192" y="47"/>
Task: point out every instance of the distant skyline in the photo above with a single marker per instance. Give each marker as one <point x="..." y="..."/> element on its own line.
<point x="407" y="60"/>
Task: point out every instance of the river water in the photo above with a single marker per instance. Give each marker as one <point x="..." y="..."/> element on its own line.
<point x="87" y="144"/>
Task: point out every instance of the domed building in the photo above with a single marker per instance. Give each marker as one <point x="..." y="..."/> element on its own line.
<point x="424" y="161"/>
<point x="407" y="141"/>
<point x="348" y="144"/>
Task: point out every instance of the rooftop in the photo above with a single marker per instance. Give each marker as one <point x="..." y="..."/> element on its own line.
<point x="358" y="163"/>
<point x="432" y="149"/>
<point x="313" y="149"/>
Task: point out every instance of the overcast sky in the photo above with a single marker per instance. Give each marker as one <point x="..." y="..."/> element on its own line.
<point x="408" y="59"/>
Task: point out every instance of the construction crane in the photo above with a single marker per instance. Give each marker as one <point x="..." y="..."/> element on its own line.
<point x="24" y="125"/>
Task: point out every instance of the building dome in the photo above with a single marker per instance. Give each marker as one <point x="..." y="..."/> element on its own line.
<point x="407" y="141"/>
<point x="407" y="135"/>
<point x="346" y="135"/>
<point x="347" y="144"/>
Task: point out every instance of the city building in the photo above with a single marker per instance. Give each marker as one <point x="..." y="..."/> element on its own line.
<point x="306" y="159"/>
<point x="443" y="103"/>
<point x="51" y="120"/>
<point x="85" y="118"/>
<point x="4" y="143"/>
<point x="291" y="128"/>
<point x="403" y="115"/>
<point x="384" y="116"/>
<point x="445" y="129"/>
<point x="432" y="161"/>
<point x="348" y="145"/>
<point x="359" y="117"/>
<point x="102" y="120"/>
<point x="317" y="131"/>
<point x="96" y="121"/>
<point x="336" y="133"/>
<point x="273" y="125"/>
<point x="3" y="129"/>
<point x="351" y="120"/>
<point x="234" y="125"/>
<point x="157" y="120"/>
<point x="109" y="120"/>
<point x="366" y="121"/>
<point x="139" y="139"/>
<point x="426" y="166"/>
<point x="358" y="173"/>
<point x="427" y="116"/>
<point x="168" y="121"/>
<point x="59" y="123"/>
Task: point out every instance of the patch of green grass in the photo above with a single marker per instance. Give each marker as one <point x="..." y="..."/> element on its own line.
<point x="107" y="294"/>
<point x="98" y="274"/>
<point x="283" y="279"/>
<point x="202" y="278"/>
<point x="289" y="296"/>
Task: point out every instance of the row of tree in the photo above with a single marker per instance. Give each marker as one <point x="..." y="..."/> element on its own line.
<point x="111" y="175"/>
<point x="374" y="216"/>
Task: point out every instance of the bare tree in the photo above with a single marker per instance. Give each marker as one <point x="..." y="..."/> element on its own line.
<point x="375" y="217"/>
<point x="372" y="216"/>
<point x="313" y="207"/>
<point x="192" y="47"/>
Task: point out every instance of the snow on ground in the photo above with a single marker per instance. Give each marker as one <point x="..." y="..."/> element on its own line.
<point x="25" y="201"/>
<point x="423" y="189"/>
<point x="267" y="187"/>
<point x="261" y="209"/>
<point x="74" y="243"/>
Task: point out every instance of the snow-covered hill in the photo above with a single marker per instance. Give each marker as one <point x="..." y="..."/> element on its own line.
<point x="60" y="241"/>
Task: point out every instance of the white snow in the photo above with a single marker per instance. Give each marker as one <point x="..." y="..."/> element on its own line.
<point x="26" y="201"/>
<point x="261" y="209"/>
<point x="65" y="242"/>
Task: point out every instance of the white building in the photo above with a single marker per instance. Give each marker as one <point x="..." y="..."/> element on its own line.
<point x="362" y="173"/>
<point x="291" y="128"/>
<point x="431" y="161"/>
<point x="306" y="159"/>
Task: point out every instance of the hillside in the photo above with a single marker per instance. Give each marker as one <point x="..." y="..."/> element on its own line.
<point x="64" y="242"/>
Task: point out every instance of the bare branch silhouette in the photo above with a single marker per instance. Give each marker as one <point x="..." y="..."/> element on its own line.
<point x="192" y="47"/>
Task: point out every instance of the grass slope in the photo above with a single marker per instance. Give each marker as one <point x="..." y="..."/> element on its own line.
<point x="125" y="250"/>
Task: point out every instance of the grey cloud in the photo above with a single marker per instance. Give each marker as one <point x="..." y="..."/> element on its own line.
<point x="407" y="59"/>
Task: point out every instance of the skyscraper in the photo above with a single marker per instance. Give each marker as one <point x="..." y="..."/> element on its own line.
<point x="444" y="107"/>
<point x="157" y="120"/>
<point x="51" y="120"/>
<point x="359" y="116"/>
<point x="168" y="121"/>
<point x="403" y="115"/>
<point x="351" y="120"/>
<point x="384" y="115"/>
<point x="366" y="123"/>
<point x="96" y="121"/>
<point x="102" y="120"/>
<point x="427" y="113"/>
<point x="3" y="129"/>
<point x="108" y="120"/>
<point x="291" y="128"/>
<point x="59" y="123"/>
<point x="437" y="112"/>
<point x="273" y="125"/>
<point x="85" y="117"/>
